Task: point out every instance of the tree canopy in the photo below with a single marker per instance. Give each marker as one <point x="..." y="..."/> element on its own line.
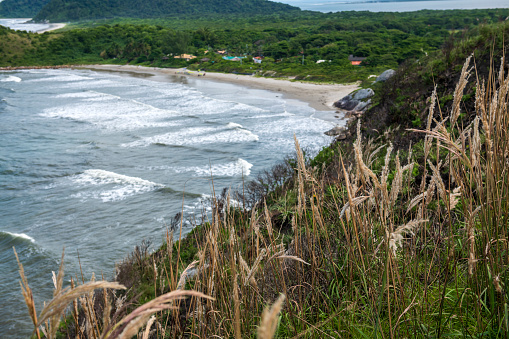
<point x="73" y="10"/>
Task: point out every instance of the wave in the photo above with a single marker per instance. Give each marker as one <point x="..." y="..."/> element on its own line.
<point x="124" y="186"/>
<point x="111" y="112"/>
<point x="61" y="78"/>
<point x="264" y="116"/>
<point x="234" y="125"/>
<point x="16" y="236"/>
<point x="11" y="78"/>
<point x="231" y="169"/>
<point x="196" y="136"/>
<point x="102" y="177"/>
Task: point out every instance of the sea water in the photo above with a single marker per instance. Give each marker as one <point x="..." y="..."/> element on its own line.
<point x="393" y="5"/>
<point x="96" y="162"/>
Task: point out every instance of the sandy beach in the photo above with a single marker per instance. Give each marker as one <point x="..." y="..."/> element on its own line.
<point x="319" y="96"/>
<point x="51" y="27"/>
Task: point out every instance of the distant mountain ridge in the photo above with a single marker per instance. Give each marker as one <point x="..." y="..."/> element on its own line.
<point x="75" y="10"/>
<point x="21" y="8"/>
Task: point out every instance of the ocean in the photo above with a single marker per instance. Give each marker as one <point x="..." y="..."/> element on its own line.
<point x="96" y="162"/>
<point x="392" y="5"/>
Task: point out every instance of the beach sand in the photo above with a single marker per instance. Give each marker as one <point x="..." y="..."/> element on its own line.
<point x="321" y="97"/>
<point x="51" y="27"/>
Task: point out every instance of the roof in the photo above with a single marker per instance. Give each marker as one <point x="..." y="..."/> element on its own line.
<point x="185" y="56"/>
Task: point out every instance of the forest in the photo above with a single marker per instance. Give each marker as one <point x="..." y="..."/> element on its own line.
<point x="291" y="44"/>
<point x="21" y="8"/>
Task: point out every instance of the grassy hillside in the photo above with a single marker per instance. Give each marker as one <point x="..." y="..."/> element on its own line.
<point x="366" y="240"/>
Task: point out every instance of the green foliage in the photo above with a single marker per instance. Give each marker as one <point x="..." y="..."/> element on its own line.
<point x="291" y="43"/>
<point x="72" y="10"/>
<point x="21" y="8"/>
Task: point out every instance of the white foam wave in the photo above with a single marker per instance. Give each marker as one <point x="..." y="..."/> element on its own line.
<point x="20" y="235"/>
<point x="87" y="94"/>
<point x="231" y="169"/>
<point x="11" y="78"/>
<point x="101" y="177"/>
<point x="190" y="137"/>
<point x="234" y="125"/>
<point x="263" y="116"/>
<point x="112" y="112"/>
<point x="124" y="186"/>
<point x="62" y="78"/>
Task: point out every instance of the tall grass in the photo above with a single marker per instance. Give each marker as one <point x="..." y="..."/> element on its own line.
<point x="399" y="244"/>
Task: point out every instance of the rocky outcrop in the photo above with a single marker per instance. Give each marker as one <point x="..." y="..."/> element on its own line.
<point x="339" y="132"/>
<point x="352" y="106"/>
<point x="385" y="75"/>
<point x="356" y="102"/>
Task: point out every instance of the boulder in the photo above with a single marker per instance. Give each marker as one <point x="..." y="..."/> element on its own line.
<point x="362" y="105"/>
<point x="346" y="103"/>
<point x="385" y="75"/>
<point x="338" y="130"/>
<point x="363" y="94"/>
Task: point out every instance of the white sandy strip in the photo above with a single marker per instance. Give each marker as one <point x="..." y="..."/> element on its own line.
<point x="319" y="96"/>
<point x="51" y="27"/>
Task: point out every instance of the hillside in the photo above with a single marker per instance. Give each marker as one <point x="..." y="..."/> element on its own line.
<point x="21" y="8"/>
<point x="372" y="238"/>
<point x="403" y="101"/>
<point x="72" y="10"/>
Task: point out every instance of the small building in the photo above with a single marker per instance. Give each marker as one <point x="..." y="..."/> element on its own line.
<point x="187" y="57"/>
<point x="356" y="61"/>
<point x="257" y="60"/>
<point x="221" y="52"/>
<point x="233" y="58"/>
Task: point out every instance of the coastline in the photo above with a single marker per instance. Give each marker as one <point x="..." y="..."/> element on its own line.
<point x="52" y="27"/>
<point x="320" y="97"/>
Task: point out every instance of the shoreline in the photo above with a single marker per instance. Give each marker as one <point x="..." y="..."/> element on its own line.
<point x="52" y="27"/>
<point x="320" y="97"/>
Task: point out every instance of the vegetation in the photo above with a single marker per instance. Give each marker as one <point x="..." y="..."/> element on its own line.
<point x="291" y="43"/>
<point x="72" y="10"/>
<point x="21" y="8"/>
<point x="369" y="239"/>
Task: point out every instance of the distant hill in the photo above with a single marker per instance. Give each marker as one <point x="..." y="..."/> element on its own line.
<point x="74" y="10"/>
<point x="21" y="8"/>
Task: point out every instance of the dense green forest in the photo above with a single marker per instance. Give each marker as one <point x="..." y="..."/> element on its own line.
<point x="72" y="10"/>
<point x="21" y="8"/>
<point x="291" y="44"/>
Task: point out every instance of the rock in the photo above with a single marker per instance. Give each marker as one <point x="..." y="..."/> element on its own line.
<point x="363" y="94"/>
<point x="385" y="75"/>
<point x="356" y="101"/>
<point x="341" y="136"/>
<point x="338" y="130"/>
<point x="362" y="105"/>
<point x="347" y="103"/>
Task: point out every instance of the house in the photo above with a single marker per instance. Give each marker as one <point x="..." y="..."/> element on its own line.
<point x="233" y="58"/>
<point x="187" y="57"/>
<point x="257" y="60"/>
<point x="320" y="61"/>
<point x="356" y="61"/>
<point x="221" y="52"/>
